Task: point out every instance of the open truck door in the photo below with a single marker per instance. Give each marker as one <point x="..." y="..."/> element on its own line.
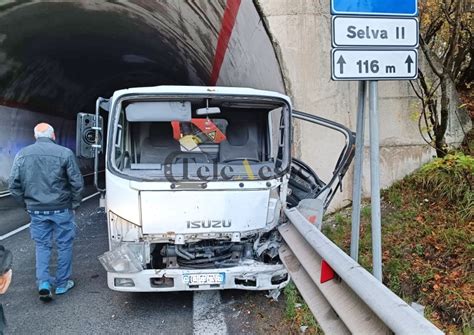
<point x="90" y="138"/>
<point x="307" y="190"/>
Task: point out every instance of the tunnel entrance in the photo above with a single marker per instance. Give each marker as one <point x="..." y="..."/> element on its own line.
<point x="56" y="58"/>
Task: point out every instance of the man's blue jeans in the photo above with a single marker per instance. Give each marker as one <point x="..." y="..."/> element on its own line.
<point x="43" y="227"/>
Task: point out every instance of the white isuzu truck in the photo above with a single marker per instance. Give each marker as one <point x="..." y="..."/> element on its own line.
<point x="196" y="182"/>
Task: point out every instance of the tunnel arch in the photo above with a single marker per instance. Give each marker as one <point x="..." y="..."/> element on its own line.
<point x="57" y="57"/>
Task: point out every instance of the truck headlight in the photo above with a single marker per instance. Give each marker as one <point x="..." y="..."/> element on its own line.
<point x="274" y="207"/>
<point x="122" y="260"/>
<point x="122" y="230"/>
<point x="124" y="282"/>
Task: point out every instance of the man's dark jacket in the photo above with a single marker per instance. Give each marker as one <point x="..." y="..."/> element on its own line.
<point x="45" y="176"/>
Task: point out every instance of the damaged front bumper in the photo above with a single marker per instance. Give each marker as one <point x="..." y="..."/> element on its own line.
<point x="251" y="275"/>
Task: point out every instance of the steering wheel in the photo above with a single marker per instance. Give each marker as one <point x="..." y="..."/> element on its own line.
<point x="241" y="159"/>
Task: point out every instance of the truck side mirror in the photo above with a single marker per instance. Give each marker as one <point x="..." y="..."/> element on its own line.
<point x="86" y="135"/>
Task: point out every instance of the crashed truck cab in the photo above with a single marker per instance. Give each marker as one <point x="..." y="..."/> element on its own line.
<point x="196" y="182"/>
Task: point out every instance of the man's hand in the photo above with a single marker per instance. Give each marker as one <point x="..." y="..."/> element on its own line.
<point x="5" y="281"/>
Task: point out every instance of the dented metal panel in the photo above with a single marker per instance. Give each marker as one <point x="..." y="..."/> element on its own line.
<point x="234" y="278"/>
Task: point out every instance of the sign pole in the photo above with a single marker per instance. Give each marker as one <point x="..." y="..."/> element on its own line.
<point x="358" y="162"/>
<point x="375" y="181"/>
<point x="372" y="40"/>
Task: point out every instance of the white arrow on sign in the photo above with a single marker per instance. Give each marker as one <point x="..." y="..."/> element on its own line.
<point x="387" y="64"/>
<point x="374" y="31"/>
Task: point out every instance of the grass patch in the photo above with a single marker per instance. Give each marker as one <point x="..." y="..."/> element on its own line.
<point x="298" y="313"/>
<point x="450" y="178"/>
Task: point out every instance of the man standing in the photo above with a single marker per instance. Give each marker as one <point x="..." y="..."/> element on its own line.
<point x="46" y="178"/>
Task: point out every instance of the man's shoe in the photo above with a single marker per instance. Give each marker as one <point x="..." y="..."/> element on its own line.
<point x="63" y="289"/>
<point x="44" y="291"/>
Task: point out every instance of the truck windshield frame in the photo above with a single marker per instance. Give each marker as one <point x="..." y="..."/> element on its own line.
<point x="265" y="169"/>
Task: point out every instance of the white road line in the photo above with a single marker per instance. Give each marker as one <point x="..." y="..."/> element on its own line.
<point x="92" y="173"/>
<point x="13" y="232"/>
<point x="90" y="196"/>
<point x="207" y="315"/>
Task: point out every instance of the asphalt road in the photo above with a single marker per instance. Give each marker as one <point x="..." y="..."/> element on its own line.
<point x="92" y="308"/>
<point x="13" y="214"/>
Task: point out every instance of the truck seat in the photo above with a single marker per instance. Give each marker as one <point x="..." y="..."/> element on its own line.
<point x="159" y="144"/>
<point x="241" y="142"/>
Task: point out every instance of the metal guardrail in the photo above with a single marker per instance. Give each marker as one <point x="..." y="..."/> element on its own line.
<point x="355" y="301"/>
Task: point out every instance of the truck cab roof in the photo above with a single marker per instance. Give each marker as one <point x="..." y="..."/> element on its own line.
<point x="205" y="90"/>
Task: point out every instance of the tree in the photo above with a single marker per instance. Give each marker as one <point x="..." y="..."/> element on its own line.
<point x="446" y="40"/>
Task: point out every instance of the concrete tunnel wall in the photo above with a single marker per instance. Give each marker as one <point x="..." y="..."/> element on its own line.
<point x="57" y="57"/>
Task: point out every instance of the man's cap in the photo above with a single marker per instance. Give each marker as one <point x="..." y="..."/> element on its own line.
<point x="6" y="260"/>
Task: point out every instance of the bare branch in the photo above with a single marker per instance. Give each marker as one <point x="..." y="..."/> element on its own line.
<point x="430" y="143"/>
<point x="434" y="87"/>
<point x="430" y="102"/>
<point x="428" y="54"/>
<point x="447" y="44"/>
<point x="419" y="95"/>
<point x="433" y="29"/>
<point x="449" y="59"/>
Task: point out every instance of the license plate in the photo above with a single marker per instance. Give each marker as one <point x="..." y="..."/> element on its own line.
<point x="204" y="278"/>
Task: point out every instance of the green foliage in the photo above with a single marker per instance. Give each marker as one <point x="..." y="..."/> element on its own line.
<point x="450" y="178"/>
<point x="393" y="270"/>
<point x="428" y="245"/>
<point x="339" y="218"/>
<point x="393" y="196"/>
<point x="366" y="212"/>
<point x="298" y="312"/>
<point x="292" y="298"/>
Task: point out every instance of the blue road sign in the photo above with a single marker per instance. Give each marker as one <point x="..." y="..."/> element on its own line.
<point x="375" y="7"/>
